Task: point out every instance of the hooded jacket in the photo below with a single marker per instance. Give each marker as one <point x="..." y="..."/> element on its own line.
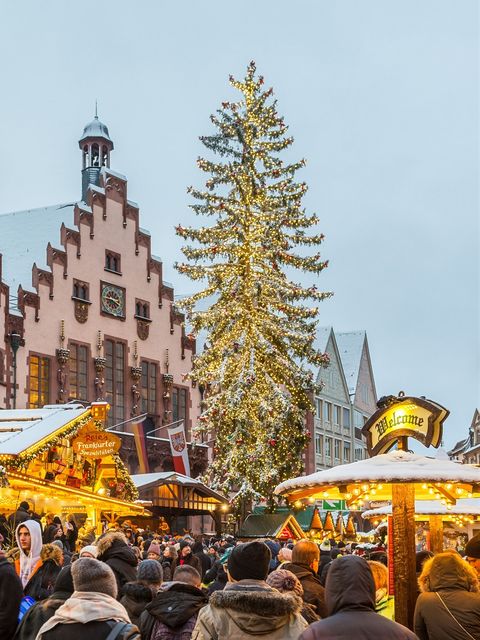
<point x="432" y="620"/>
<point x="113" y="549"/>
<point x="172" y="613"/>
<point x="250" y="609"/>
<point x="350" y="600"/>
<point x="11" y="594"/>
<point x="28" y="564"/>
<point x="136" y="597"/>
<point x="313" y="592"/>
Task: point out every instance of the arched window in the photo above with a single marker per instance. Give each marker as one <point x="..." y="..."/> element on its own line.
<point x="85" y="156"/>
<point x="95" y="156"/>
<point x="104" y="156"/>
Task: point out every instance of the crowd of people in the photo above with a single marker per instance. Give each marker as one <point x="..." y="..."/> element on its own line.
<point x="64" y="583"/>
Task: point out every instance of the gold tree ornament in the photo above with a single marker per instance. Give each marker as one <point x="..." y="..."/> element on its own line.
<point x="256" y="376"/>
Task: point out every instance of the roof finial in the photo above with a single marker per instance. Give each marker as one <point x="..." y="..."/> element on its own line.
<point x="96" y="114"/>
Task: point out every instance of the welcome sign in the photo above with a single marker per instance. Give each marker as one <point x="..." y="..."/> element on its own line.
<point x="404" y="417"/>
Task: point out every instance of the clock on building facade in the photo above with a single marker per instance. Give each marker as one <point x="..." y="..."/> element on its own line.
<point x="112" y="300"/>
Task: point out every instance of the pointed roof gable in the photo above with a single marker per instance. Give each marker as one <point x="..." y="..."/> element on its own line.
<point x="350" y="347"/>
<point x="331" y="387"/>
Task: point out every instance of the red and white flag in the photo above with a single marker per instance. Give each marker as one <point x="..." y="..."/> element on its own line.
<point x="178" y="445"/>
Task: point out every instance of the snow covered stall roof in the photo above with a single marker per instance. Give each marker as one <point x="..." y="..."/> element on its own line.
<point x="21" y="429"/>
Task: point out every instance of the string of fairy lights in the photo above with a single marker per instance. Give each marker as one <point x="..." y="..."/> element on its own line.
<point x="261" y="327"/>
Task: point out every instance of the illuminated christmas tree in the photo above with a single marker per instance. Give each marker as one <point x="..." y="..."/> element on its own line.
<point x="260" y="328"/>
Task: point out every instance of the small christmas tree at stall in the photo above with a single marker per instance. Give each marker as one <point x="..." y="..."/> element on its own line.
<point x="260" y="328"/>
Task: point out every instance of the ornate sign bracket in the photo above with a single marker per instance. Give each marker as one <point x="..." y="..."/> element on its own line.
<point x="400" y="417"/>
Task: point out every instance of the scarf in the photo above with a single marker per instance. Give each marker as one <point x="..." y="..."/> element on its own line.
<point x="86" y="606"/>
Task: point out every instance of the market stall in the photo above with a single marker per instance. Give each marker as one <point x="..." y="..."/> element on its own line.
<point x="441" y="520"/>
<point x="399" y="477"/>
<point x="173" y="496"/>
<point x="60" y="459"/>
<point x="277" y="526"/>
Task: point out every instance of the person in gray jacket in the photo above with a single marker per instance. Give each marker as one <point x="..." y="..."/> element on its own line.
<point x="448" y="607"/>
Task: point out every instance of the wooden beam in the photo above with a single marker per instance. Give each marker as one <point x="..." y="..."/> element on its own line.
<point x="436" y="533"/>
<point x="405" y="579"/>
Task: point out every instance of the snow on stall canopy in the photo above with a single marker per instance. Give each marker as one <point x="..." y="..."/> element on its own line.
<point x="142" y="479"/>
<point x="469" y="506"/>
<point x="29" y="426"/>
<point x="392" y="467"/>
<point x="24" y="236"/>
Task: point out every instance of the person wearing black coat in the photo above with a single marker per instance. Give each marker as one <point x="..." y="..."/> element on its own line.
<point x="137" y="595"/>
<point x="304" y="565"/>
<point x="350" y="600"/>
<point x="11" y="594"/>
<point x="220" y="581"/>
<point x="205" y="560"/>
<point x="20" y="515"/>
<point x="186" y="557"/>
<point x="113" y="549"/>
<point x="174" y="609"/>
<point x="42" y="611"/>
<point x="42" y="582"/>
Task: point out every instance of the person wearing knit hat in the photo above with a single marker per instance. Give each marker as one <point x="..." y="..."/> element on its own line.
<point x="154" y="552"/>
<point x="150" y="572"/>
<point x="248" y="607"/>
<point x="140" y="592"/>
<point x="249" y="561"/>
<point x="472" y="552"/>
<point x="89" y="551"/>
<point x="287" y="582"/>
<point x="92" y="611"/>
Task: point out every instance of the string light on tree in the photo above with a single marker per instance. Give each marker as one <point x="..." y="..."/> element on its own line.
<point x="262" y="325"/>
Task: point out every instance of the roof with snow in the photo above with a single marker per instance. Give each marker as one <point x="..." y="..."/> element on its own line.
<point x="350" y="347"/>
<point x="23" y="428"/>
<point x="468" y="506"/>
<point x="24" y="236"/>
<point x="95" y="129"/>
<point x="143" y="479"/>
<point x="321" y="340"/>
<point x="393" y="467"/>
<point x="460" y="447"/>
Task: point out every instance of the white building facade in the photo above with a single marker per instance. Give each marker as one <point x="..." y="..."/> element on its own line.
<point x="347" y="399"/>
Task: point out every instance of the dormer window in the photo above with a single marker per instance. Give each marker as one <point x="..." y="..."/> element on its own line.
<point x="142" y="309"/>
<point x="112" y="262"/>
<point x="80" y="290"/>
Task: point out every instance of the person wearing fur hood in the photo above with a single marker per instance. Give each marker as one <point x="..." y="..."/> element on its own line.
<point x="448" y="607"/>
<point x="114" y="550"/>
<point x="248" y="607"/>
<point x="37" y="565"/>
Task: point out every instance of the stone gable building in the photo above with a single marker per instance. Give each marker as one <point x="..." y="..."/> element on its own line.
<point x="84" y="311"/>
<point x="348" y="398"/>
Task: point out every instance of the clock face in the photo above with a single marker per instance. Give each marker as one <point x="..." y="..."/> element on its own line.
<point x="113" y="300"/>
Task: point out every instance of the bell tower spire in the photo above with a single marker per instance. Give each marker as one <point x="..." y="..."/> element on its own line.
<point x="96" y="146"/>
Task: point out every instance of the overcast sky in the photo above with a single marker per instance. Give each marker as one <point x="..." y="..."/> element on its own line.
<point x="381" y="97"/>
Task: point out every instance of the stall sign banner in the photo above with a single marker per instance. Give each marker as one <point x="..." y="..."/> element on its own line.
<point x="91" y="443"/>
<point x="414" y="417"/>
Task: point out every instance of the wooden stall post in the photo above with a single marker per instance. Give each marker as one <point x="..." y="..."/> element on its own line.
<point x="403" y="510"/>
<point x="436" y="533"/>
